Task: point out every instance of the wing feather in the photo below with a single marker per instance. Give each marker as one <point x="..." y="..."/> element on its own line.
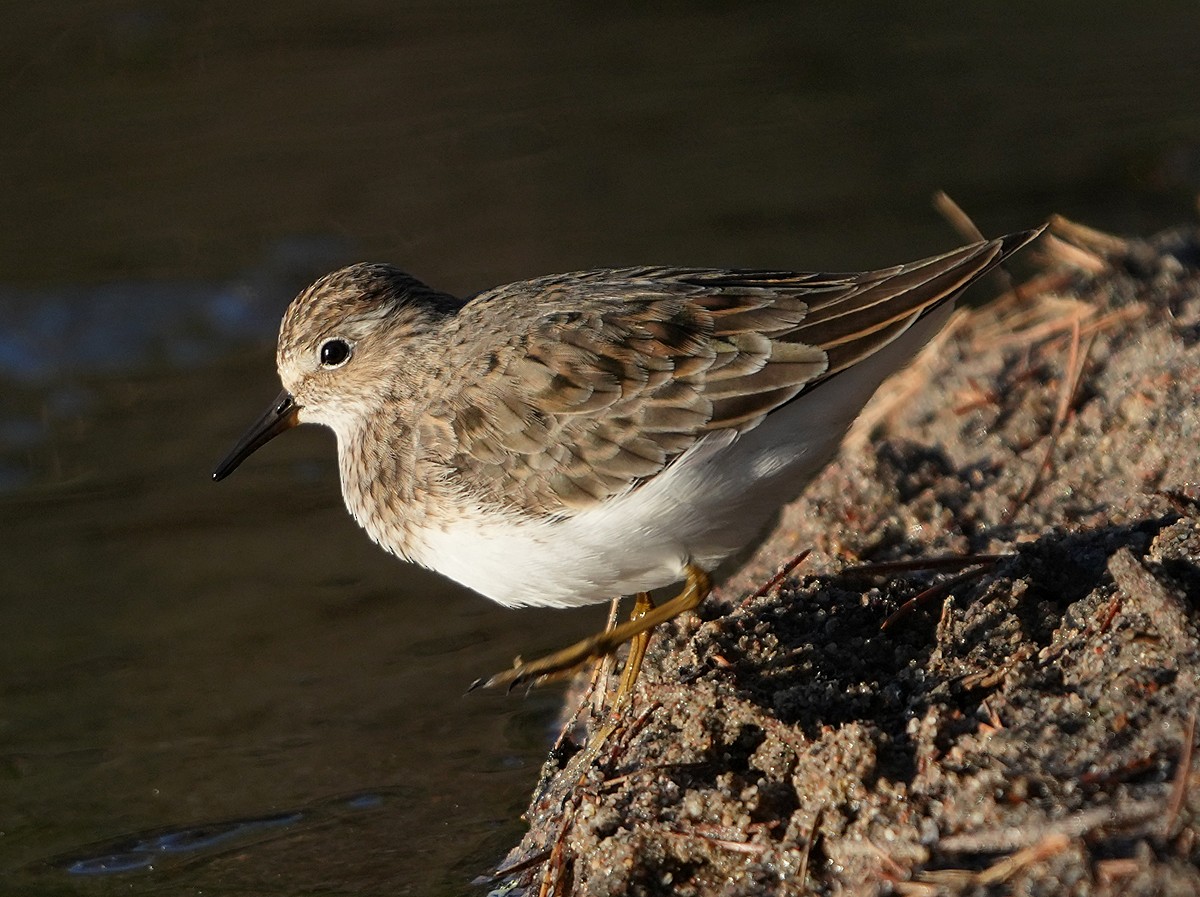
<point x="598" y="380"/>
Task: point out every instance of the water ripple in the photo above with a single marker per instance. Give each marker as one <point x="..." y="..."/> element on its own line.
<point x="156" y="848"/>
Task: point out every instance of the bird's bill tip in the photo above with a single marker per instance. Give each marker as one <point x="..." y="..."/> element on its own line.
<point x="282" y="415"/>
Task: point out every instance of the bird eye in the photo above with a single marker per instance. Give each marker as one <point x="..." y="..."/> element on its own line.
<point x="334" y="353"/>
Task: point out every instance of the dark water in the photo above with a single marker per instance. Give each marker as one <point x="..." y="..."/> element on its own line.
<point x="227" y="689"/>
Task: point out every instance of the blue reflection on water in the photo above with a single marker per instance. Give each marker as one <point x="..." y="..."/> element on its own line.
<point x="52" y="332"/>
<point x="143" y="853"/>
<point x="46" y="335"/>
<point x="148" y="850"/>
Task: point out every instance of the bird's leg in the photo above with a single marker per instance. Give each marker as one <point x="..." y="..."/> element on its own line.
<point x="637" y="649"/>
<point x="696" y="587"/>
<point x="603" y="665"/>
<point x="594" y="696"/>
<point x="643" y="604"/>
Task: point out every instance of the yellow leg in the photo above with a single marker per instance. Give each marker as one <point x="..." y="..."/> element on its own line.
<point x="697" y="586"/>
<point x="637" y="649"/>
<point x="596" y="692"/>
<point x="633" y="665"/>
<point x="598" y="687"/>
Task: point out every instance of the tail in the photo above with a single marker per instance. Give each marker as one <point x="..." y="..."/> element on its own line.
<point x="884" y="304"/>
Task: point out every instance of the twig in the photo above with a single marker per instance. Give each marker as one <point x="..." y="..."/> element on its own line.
<point x="520" y="866"/>
<point x="651" y="770"/>
<point x="999" y="840"/>
<point x="935" y="591"/>
<point x="1124" y="772"/>
<point x="551" y="877"/>
<point x="959" y="220"/>
<point x="990" y="678"/>
<point x="735" y="846"/>
<point x="1114" y="317"/>
<point x="1066" y="397"/>
<point x="892" y="868"/>
<point x="947" y="562"/>
<point x="1109" y="872"/>
<point x="1182" y="774"/>
<point x="1026" y="330"/>
<point x="775" y="580"/>
<point x="977" y="397"/>
<point x="1087" y="237"/>
<point x="916" y="889"/>
<point x="808" y="845"/>
<point x="1009" y="866"/>
<point x="1110" y="614"/>
<point x="1067" y="253"/>
<point x="1033" y="326"/>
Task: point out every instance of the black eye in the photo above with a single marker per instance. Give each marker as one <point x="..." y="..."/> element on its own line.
<point x="334" y="353"/>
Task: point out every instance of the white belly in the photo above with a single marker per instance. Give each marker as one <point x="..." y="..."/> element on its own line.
<point x="700" y="510"/>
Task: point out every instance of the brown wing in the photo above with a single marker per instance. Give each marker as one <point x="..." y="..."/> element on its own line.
<point x="597" y="380"/>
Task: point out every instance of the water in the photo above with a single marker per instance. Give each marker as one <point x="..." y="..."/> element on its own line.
<point x="227" y="689"/>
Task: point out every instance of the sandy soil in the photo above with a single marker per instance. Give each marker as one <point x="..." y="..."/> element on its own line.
<point x="1023" y="725"/>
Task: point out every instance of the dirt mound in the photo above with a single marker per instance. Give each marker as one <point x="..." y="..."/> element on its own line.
<point x="1024" y="722"/>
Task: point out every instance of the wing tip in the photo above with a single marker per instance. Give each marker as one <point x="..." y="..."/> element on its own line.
<point x="1016" y="241"/>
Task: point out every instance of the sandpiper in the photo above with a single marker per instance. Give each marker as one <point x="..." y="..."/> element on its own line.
<point x="565" y="440"/>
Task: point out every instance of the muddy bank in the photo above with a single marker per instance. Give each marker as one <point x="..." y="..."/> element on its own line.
<point x="1022" y="723"/>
